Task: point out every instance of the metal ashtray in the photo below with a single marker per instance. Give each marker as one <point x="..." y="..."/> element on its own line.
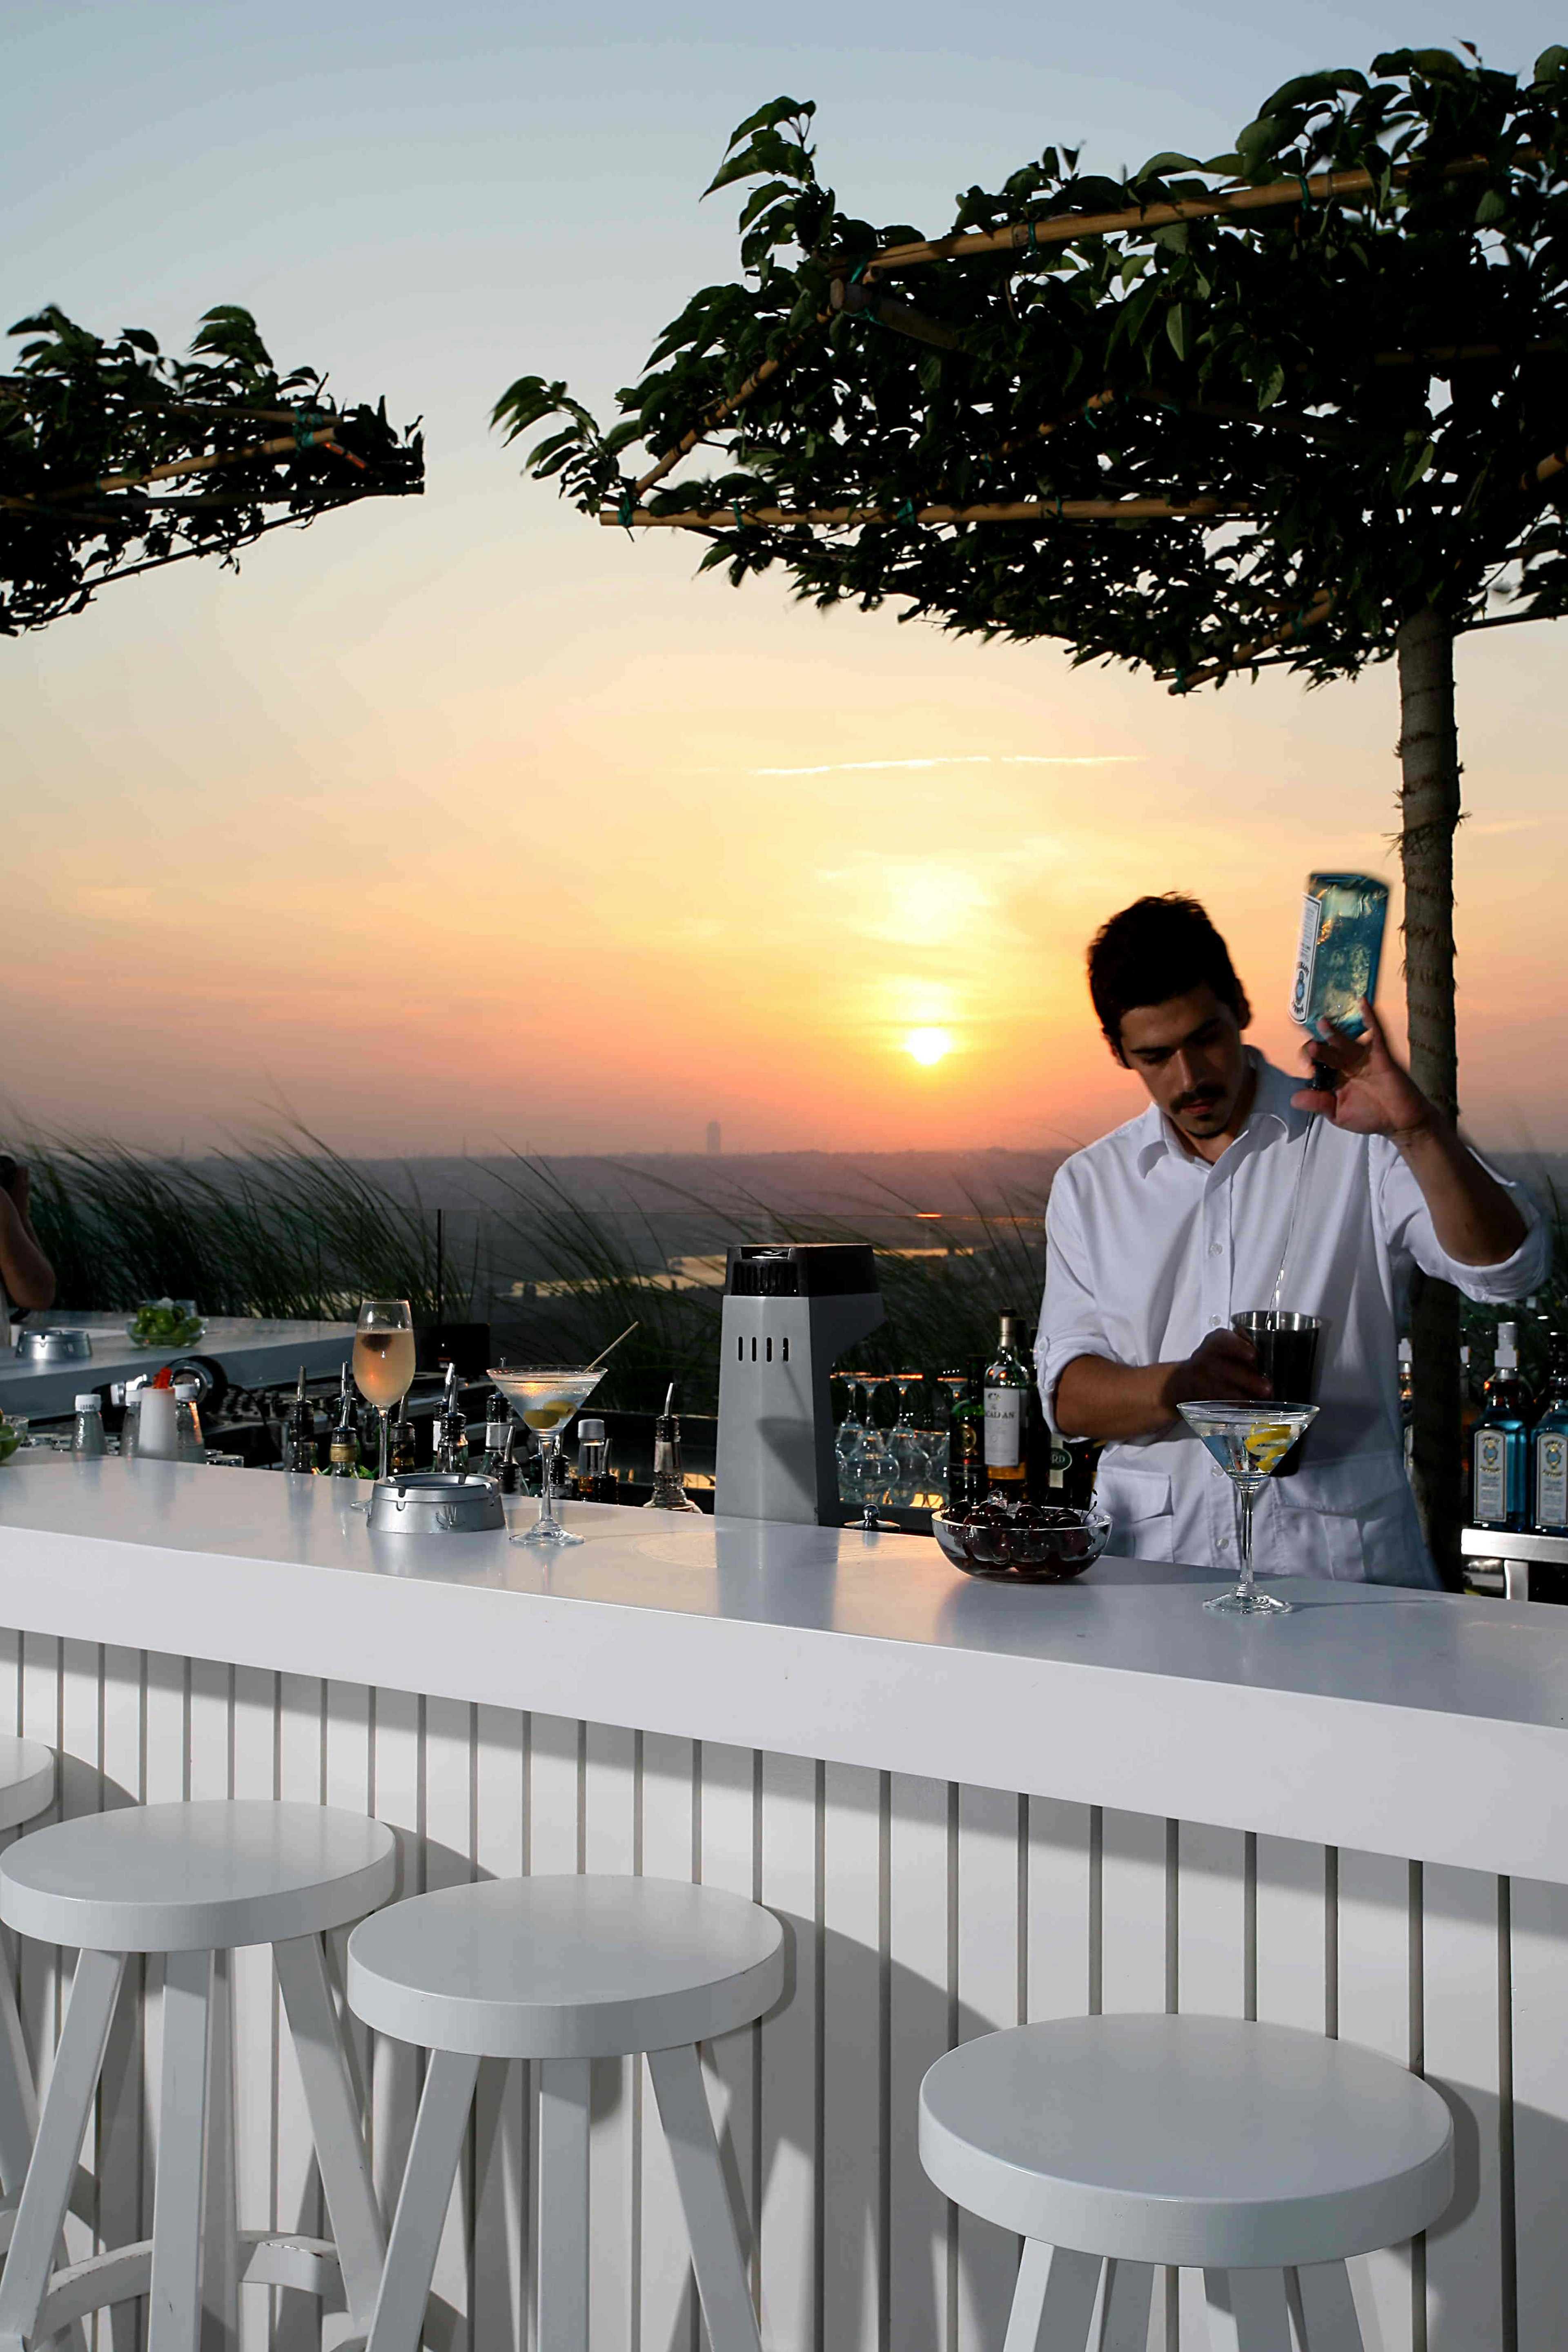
<point x="54" y="1347"/>
<point x="435" y="1503"/>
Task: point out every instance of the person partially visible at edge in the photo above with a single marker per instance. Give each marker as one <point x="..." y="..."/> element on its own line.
<point x="1162" y="1230"/>
<point x="27" y="1278"/>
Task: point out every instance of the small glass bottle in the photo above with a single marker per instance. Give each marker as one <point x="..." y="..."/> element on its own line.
<point x="342" y="1453"/>
<point x="300" y="1431"/>
<point x="1501" y="1477"/>
<point x="498" y="1421"/>
<point x="451" y="1429"/>
<point x="88" y="1441"/>
<point x="189" y="1444"/>
<point x="1008" y="1385"/>
<point x="1549" y="1449"/>
<point x="595" y="1483"/>
<point x="669" y="1480"/>
<point x="967" y="1442"/>
<point x="1407" y="1400"/>
<point x="400" y="1454"/>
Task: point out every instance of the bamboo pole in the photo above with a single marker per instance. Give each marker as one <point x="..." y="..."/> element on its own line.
<point x="286" y="444"/>
<point x="1444" y="354"/>
<point x="1066" y="228"/>
<point x="1318" y="609"/>
<point x="1017" y="510"/>
<point x="727" y="407"/>
<point x="859" y="301"/>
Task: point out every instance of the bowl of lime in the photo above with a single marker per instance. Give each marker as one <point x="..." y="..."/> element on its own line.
<point x="10" y="1438"/>
<point x="165" y="1323"/>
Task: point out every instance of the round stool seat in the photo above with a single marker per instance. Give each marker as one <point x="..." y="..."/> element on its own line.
<point x="1200" y="2142"/>
<point x="591" y="1966"/>
<point x="194" y="1877"/>
<point x="27" y="1780"/>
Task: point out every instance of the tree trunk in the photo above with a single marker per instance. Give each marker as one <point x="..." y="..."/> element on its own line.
<point x="1429" y="813"/>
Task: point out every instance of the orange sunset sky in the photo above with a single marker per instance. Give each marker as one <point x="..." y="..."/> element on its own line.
<point x="465" y="820"/>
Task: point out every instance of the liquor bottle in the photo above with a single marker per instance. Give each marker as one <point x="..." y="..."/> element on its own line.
<point x="400" y="1455"/>
<point x="299" y="1431"/>
<point x="1407" y="1400"/>
<point x="452" y="1428"/>
<point x="1008" y="1385"/>
<point x="1470" y="1414"/>
<point x="967" y="1442"/>
<point x="1339" y="950"/>
<point x="498" y="1421"/>
<point x="342" y="1450"/>
<point x="668" y="1481"/>
<point x="1548" y="1447"/>
<point x="595" y="1482"/>
<point x="1501" y="1484"/>
<point x="509" y="1470"/>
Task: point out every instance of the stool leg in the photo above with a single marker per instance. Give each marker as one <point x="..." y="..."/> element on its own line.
<point x="335" y="2103"/>
<point x="174" y="2313"/>
<point x="18" y="2107"/>
<point x="564" y="2095"/>
<point x="1248" y="2311"/>
<point x="716" y="2256"/>
<point x="62" y="2126"/>
<point x="1129" y="2291"/>
<point x="1053" y="2303"/>
<point x="422" y="2203"/>
<point x="1328" y="2322"/>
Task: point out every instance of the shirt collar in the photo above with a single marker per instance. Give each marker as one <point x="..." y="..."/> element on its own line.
<point x="1158" y="1140"/>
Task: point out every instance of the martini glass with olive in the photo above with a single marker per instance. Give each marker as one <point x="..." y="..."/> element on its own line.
<point x="1249" y="1443"/>
<point x="544" y="1398"/>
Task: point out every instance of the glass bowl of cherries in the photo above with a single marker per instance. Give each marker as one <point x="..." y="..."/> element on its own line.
<point x="1034" y="1543"/>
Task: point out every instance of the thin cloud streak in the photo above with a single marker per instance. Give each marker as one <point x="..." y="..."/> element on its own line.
<point x="954" y="759"/>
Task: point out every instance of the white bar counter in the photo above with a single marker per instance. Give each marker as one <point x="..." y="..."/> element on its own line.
<point x="971" y="1802"/>
<point x="254" y="1350"/>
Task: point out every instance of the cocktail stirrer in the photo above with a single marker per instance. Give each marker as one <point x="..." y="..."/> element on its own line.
<point x="1315" y="1121"/>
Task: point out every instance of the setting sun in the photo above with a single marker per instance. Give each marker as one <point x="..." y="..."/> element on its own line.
<point x="928" y="1045"/>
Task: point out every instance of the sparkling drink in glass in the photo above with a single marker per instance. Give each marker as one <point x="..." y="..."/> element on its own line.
<point x="384" y="1359"/>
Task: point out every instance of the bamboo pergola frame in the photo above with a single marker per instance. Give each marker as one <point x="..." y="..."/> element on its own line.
<point x="853" y="294"/>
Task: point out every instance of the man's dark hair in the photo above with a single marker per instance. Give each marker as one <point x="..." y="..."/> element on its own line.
<point x="1153" y="951"/>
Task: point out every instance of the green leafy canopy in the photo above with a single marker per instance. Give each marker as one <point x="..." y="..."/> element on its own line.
<point x="78" y="412"/>
<point x="1365" y="387"/>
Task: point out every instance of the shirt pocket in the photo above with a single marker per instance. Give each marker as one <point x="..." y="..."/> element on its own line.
<point x="1350" y="1519"/>
<point x="1137" y="1502"/>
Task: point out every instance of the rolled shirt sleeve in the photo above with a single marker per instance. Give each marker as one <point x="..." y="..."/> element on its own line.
<point x="1070" y="1323"/>
<point x="1408" y="1227"/>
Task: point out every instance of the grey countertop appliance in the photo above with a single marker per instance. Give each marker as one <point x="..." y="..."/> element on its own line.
<point x="791" y="1309"/>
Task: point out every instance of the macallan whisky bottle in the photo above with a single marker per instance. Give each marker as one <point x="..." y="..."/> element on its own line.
<point x="1009" y="1384"/>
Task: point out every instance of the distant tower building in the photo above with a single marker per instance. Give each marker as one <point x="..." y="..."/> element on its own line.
<point x="715" y="1141"/>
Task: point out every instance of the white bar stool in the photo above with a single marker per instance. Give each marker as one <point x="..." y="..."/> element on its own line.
<point x="191" y="1881"/>
<point x="564" y="1969"/>
<point x="1259" y="2154"/>
<point x="27" y="1787"/>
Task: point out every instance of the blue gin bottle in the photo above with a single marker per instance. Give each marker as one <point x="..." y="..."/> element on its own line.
<point x="1341" y="947"/>
<point x="1500" y="1478"/>
<point x="1549" y="1450"/>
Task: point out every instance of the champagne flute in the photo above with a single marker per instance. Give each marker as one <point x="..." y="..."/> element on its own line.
<point x="384" y="1359"/>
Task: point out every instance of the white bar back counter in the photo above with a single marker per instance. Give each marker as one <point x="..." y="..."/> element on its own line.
<point x="973" y="1804"/>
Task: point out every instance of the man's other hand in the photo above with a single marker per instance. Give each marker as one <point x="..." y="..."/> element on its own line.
<point x="1224" y="1369"/>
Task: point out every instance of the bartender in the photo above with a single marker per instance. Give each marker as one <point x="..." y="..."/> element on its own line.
<point x="1162" y="1230"/>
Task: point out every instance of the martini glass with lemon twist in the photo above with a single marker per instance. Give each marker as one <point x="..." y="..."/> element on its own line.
<point x="544" y="1400"/>
<point x="1249" y="1443"/>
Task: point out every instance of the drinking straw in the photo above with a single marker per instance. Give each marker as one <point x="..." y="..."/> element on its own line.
<point x="615" y="1343"/>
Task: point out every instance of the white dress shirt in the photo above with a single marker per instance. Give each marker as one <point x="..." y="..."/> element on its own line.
<point x="1150" y="1247"/>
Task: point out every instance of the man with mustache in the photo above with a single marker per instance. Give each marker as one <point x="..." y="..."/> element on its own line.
<point x="1161" y="1231"/>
